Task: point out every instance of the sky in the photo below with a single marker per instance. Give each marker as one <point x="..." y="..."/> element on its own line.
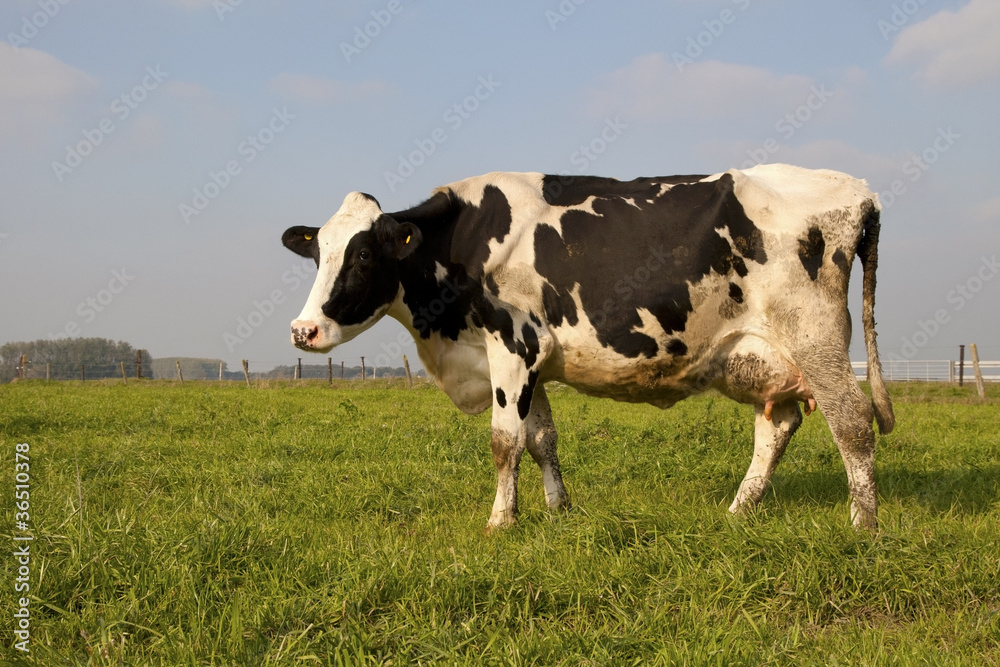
<point x="152" y="152"/>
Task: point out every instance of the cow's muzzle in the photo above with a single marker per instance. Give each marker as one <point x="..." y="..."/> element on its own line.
<point x="305" y="334"/>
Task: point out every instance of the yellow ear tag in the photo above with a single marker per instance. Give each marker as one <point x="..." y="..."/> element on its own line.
<point x="308" y="237"/>
<point x="407" y="239"/>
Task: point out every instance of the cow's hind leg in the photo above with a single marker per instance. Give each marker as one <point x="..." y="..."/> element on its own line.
<point x="771" y="436"/>
<point x="541" y="444"/>
<point x="849" y="413"/>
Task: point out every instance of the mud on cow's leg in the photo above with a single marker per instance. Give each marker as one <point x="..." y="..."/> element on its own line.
<point x="542" y="438"/>
<point x="774" y="426"/>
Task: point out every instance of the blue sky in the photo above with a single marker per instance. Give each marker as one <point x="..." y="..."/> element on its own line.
<point x="151" y="153"/>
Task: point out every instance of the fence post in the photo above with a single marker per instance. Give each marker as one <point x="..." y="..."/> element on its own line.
<point x="124" y="376"/>
<point x="329" y="370"/>
<point x="341" y="370"/>
<point x="138" y="364"/>
<point x="180" y="376"/>
<point x="406" y="367"/>
<point x="246" y="371"/>
<point x="980" y="387"/>
<point x="298" y="369"/>
<point x="21" y="371"/>
<point x="961" y="365"/>
<point x="362" y="369"/>
<point x="220" y="371"/>
<point x="48" y="372"/>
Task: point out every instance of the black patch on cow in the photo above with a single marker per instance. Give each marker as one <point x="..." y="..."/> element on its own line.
<point x="501" y="398"/>
<point x="676" y="237"/>
<point x="574" y="190"/>
<point x="534" y="318"/>
<point x="482" y="224"/>
<point x="368" y="280"/>
<point x="527" y="391"/>
<point x="840" y="259"/>
<point x="811" y="252"/>
<point x="556" y="309"/>
<point x="677" y="347"/>
<point x="530" y="338"/>
<point x="491" y="285"/>
<point x="735" y="293"/>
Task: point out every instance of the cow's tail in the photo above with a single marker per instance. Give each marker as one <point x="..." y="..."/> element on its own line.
<point x="868" y="253"/>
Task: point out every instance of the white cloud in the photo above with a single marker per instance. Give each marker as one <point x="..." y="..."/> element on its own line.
<point x="319" y="90"/>
<point x="953" y="49"/>
<point x="652" y="88"/>
<point x="36" y="91"/>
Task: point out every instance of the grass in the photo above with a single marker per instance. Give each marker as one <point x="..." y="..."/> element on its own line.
<point x="292" y="524"/>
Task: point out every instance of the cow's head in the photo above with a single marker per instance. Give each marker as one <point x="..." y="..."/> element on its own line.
<point x="357" y="253"/>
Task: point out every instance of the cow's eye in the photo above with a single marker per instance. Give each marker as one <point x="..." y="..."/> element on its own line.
<point x="365" y="254"/>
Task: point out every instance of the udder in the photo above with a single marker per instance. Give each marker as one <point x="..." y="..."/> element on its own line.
<point x="757" y="373"/>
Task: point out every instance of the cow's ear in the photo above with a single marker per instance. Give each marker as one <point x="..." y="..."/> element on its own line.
<point x="398" y="239"/>
<point x="407" y="238"/>
<point x="302" y="241"/>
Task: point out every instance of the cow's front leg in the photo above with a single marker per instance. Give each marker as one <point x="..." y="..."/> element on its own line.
<point x="514" y="370"/>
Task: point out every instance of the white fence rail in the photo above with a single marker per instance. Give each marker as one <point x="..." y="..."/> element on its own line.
<point x="939" y="370"/>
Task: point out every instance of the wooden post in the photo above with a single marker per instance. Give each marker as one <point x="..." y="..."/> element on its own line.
<point x="48" y="372"/>
<point x="329" y="370"/>
<point x="138" y="364"/>
<point x="83" y="373"/>
<point x="961" y="365"/>
<point x="362" y="369"/>
<point x="980" y="387"/>
<point x="298" y="369"/>
<point x="220" y="371"/>
<point x="21" y="371"/>
<point x="246" y="371"/>
<point x="406" y="367"/>
<point x="341" y="370"/>
<point x="124" y="376"/>
<point x="180" y="376"/>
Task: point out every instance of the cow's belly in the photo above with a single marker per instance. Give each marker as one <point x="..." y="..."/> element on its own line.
<point x="595" y="370"/>
<point x="742" y="365"/>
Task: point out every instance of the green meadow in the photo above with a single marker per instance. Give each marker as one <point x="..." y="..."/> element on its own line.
<point x="301" y="524"/>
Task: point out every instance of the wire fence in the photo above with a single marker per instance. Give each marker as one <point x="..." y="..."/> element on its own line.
<point x="905" y="370"/>
<point x="210" y="370"/>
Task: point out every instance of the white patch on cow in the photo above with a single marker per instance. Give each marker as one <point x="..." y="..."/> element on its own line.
<point x="440" y="272"/>
<point x="651" y="327"/>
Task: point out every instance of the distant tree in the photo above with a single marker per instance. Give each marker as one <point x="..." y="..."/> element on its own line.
<point x="101" y="356"/>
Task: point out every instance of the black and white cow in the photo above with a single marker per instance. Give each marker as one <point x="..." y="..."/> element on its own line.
<point x="648" y="290"/>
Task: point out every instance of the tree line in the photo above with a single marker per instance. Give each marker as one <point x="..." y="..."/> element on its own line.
<point x="101" y="357"/>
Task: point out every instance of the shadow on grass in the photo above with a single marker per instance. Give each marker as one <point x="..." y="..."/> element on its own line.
<point x="968" y="490"/>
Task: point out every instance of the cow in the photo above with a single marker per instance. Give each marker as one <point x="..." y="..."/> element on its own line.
<point x="649" y="290"/>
